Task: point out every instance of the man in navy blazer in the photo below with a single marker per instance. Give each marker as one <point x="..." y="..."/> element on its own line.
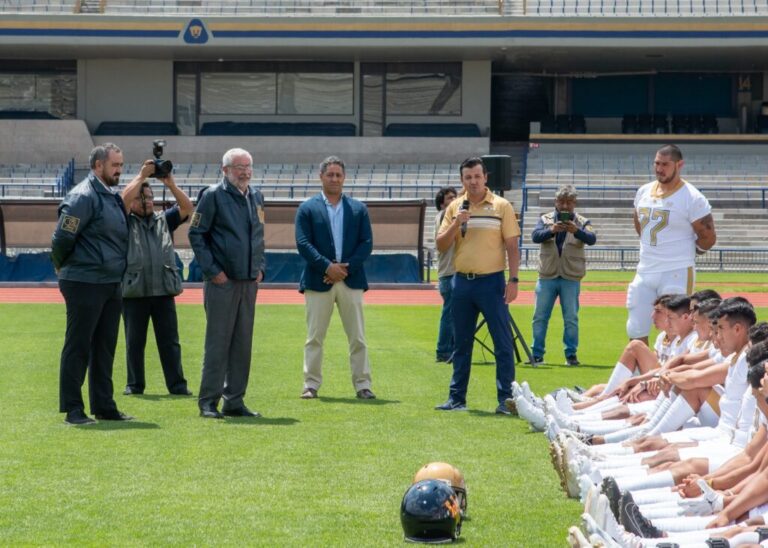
<point x="333" y="235"/>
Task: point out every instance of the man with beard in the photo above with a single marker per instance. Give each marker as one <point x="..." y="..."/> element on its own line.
<point x="674" y="222"/>
<point x="151" y="282"/>
<point x="89" y="251"/>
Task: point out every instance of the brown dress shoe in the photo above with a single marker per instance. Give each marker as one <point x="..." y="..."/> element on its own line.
<point x="308" y="394"/>
<point x="366" y="394"/>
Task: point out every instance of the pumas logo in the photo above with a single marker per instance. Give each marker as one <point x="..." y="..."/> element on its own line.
<point x="195" y="33"/>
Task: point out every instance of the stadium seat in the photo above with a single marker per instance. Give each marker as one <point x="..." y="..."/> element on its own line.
<point x="136" y="128"/>
<point x="432" y="130"/>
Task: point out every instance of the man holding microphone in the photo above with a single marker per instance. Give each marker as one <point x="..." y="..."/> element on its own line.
<point x="484" y="229"/>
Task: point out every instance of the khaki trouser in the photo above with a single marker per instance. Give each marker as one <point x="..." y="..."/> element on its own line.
<point x="319" y="310"/>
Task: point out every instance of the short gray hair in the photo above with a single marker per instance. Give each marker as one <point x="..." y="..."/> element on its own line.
<point x="229" y="155"/>
<point x="101" y="153"/>
<point x="332" y="161"/>
<point x="566" y="192"/>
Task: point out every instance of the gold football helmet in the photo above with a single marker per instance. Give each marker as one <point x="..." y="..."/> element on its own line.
<point x="449" y="474"/>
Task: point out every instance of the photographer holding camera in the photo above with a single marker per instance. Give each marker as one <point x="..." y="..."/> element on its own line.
<point x="152" y="279"/>
<point x="562" y="235"/>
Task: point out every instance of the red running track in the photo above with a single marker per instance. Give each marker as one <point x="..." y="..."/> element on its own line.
<point x="374" y="296"/>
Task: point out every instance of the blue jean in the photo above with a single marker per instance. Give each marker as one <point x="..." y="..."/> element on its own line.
<point x="445" y="336"/>
<point x="471" y="298"/>
<point x="546" y="293"/>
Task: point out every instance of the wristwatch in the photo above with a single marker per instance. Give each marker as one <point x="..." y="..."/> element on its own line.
<point x="513" y="280"/>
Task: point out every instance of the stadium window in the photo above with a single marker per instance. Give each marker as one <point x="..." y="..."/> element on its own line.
<point x="315" y="93"/>
<point x="423" y="89"/>
<point x="262" y="88"/>
<point x="238" y="93"/>
<point x="39" y="87"/>
<point x="186" y="103"/>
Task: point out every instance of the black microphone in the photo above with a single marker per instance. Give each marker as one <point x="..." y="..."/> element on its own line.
<point x="464" y="207"/>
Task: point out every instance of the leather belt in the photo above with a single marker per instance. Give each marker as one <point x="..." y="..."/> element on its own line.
<point x="471" y="276"/>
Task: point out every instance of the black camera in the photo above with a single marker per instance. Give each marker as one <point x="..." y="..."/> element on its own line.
<point x="565" y="216"/>
<point x="163" y="168"/>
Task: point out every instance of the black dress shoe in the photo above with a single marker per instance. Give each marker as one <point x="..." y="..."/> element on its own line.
<point x="241" y="412"/>
<point x="113" y="416"/>
<point x="181" y="392"/>
<point x="365" y="394"/>
<point x="211" y="413"/>
<point x="78" y="418"/>
<point x="129" y="391"/>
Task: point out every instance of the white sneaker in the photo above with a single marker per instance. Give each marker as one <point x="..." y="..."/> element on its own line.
<point x="590" y="498"/>
<point x="584" y="484"/>
<point x="597" y="535"/>
<point x="564" y="402"/>
<point x="572" y="484"/>
<point x="563" y="420"/>
<point x="575" y="396"/>
<point x="576" y="538"/>
<point x="530" y="396"/>
<point x="552" y="430"/>
<point x="556" y="455"/>
<point x="531" y="413"/>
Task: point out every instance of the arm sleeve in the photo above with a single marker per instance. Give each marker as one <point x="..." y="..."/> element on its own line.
<point x="541" y="233"/>
<point x="75" y="213"/>
<point x="199" y="234"/>
<point x="586" y="234"/>
<point x="304" y="244"/>
<point x="364" y="245"/>
<point x="699" y="207"/>
<point x="173" y="218"/>
<point x="510" y="228"/>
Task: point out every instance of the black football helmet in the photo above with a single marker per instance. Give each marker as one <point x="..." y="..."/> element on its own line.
<point x="449" y="474"/>
<point x="430" y="512"/>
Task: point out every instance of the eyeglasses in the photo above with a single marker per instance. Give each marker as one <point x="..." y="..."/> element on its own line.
<point x="241" y="167"/>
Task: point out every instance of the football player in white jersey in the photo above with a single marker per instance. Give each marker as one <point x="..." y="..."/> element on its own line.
<point x="674" y="222"/>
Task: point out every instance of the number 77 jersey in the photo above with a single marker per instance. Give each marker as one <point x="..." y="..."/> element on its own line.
<point x="667" y="239"/>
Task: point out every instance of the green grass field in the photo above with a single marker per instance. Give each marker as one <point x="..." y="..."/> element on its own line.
<point x="328" y="472"/>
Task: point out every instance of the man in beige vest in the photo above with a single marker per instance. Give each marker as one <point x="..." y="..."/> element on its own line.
<point x="562" y="234"/>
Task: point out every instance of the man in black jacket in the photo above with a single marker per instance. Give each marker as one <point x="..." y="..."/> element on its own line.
<point x="227" y="235"/>
<point x="89" y="249"/>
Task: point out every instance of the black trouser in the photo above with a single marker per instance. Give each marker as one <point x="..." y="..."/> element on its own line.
<point x="93" y="322"/>
<point x="136" y="315"/>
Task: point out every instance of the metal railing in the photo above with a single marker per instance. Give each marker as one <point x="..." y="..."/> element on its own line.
<point x="742" y="196"/>
<point x="302" y="8"/>
<point x="625" y="258"/>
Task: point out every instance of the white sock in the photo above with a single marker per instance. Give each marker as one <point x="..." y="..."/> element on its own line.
<point x="659" y="479"/>
<point x="613" y="449"/>
<point x="659" y="412"/>
<point x="604" y="405"/>
<point x="657" y="494"/>
<point x="625" y="434"/>
<point x="682" y="524"/>
<point x="619" y="374"/>
<point x="601" y="428"/>
<point x="675" y="417"/>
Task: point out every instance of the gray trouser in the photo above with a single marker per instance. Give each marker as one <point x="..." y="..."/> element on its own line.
<point x="229" y="311"/>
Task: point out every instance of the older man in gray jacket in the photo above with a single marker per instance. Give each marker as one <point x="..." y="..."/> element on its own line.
<point x="227" y="236"/>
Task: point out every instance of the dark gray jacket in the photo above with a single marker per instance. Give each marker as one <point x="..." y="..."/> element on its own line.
<point x="90" y="243"/>
<point x="152" y="270"/>
<point x="227" y="232"/>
